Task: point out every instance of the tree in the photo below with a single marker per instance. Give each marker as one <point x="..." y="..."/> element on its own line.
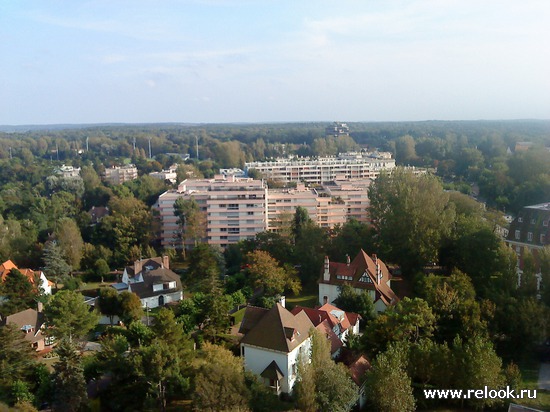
<point x="191" y="220"/>
<point x="205" y="267"/>
<point x="16" y="358"/>
<point x="477" y="365"/>
<point x="130" y="307"/>
<point x="19" y="294"/>
<point x="357" y="302"/>
<point x="108" y="302"/>
<point x="322" y="384"/>
<point x="389" y="375"/>
<point x="265" y="273"/>
<point x="70" y="241"/>
<point x="70" y="386"/>
<point x="219" y="380"/>
<point x="68" y="316"/>
<point x="160" y="365"/>
<point x="411" y="215"/>
<point x="410" y="320"/>
<point x="405" y="150"/>
<point x="56" y="266"/>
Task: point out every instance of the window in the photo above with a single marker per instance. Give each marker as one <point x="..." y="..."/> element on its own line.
<point x="365" y="278"/>
<point x="532" y="221"/>
<point x="545" y="223"/>
<point x="250" y="213"/>
<point x="520" y="220"/>
<point x="530" y="236"/>
<point x="517" y="234"/>
<point x="542" y="239"/>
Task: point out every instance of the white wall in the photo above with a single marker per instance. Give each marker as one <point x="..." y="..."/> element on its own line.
<point x="257" y="359"/>
<point x="153" y="302"/>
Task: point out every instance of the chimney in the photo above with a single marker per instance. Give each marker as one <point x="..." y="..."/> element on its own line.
<point x="326" y="273"/>
<point x="166" y="262"/>
<point x="138" y="266"/>
<point x="375" y="259"/>
<point x="40" y="307"/>
<point x="347" y="260"/>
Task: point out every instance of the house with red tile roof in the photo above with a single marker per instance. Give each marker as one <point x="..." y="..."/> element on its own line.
<point x="333" y="322"/>
<point x="364" y="274"/>
<point x="274" y="341"/>
<point x="36" y="278"/>
<point x="357" y="369"/>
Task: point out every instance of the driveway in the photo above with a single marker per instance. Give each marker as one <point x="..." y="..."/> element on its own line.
<point x="544" y="376"/>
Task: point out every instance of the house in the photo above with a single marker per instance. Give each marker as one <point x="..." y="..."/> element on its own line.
<point x="97" y="213"/>
<point x="357" y="370"/>
<point x="274" y="340"/>
<point x="31" y="324"/>
<point x="364" y="274"/>
<point x="530" y="232"/>
<point x="333" y="322"/>
<point x="36" y="278"/>
<point x="153" y="281"/>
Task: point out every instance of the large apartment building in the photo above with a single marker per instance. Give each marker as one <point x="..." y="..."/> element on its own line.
<point x="235" y="209"/>
<point x="239" y="208"/>
<point x="354" y="165"/>
<point x="117" y="175"/>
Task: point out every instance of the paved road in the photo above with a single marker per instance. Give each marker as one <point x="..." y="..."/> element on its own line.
<point x="544" y="376"/>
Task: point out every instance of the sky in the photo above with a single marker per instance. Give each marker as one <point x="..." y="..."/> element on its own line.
<point x="220" y="61"/>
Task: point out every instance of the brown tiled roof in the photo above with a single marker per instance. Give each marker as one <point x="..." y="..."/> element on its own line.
<point x="314" y="315"/>
<point x="362" y="264"/>
<point x="272" y="372"/>
<point x="358" y="369"/>
<point x="279" y="330"/>
<point x="325" y="328"/>
<point x="27" y="317"/>
<point x="251" y="317"/>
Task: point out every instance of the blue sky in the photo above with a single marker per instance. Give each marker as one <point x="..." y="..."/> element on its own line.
<point x="261" y="61"/>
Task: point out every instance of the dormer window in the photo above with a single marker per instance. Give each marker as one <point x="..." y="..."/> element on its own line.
<point x="365" y="278"/>
<point x="520" y="220"/>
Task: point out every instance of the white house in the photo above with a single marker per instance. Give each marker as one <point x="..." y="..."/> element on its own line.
<point x="273" y="343"/>
<point x="364" y="274"/>
<point x="153" y="281"/>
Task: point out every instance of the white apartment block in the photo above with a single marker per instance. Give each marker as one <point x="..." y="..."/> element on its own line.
<point x="235" y="209"/>
<point x="169" y="174"/>
<point x="353" y="165"/>
<point x="117" y="175"/>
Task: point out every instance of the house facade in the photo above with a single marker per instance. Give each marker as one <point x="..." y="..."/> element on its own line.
<point x="530" y="232"/>
<point x="274" y="342"/>
<point x="153" y="281"/>
<point x="31" y="324"/>
<point x="364" y="274"/>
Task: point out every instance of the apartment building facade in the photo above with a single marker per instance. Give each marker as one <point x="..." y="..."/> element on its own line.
<point x="238" y="208"/>
<point x="234" y="208"/>
<point x="355" y="165"/>
<point x="117" y="175"/>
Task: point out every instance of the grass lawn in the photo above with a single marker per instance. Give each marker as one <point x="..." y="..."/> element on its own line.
<point x="238" y="315"/>
<point x="308" y="298"/>
<point x="530" y="376"/>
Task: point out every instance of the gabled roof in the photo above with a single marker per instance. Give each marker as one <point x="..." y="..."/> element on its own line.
<point x="25" y="318"/>
<point x="251" y="317"/>
<point x="335" y="343"/>
<point x="277" y="329"/>
<point x="8" y="265"/>
<point x="358" y="369"/>
<point x="160" y="276"/>
<point x="272" y="371"/>
<point x="362" y="273"/>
